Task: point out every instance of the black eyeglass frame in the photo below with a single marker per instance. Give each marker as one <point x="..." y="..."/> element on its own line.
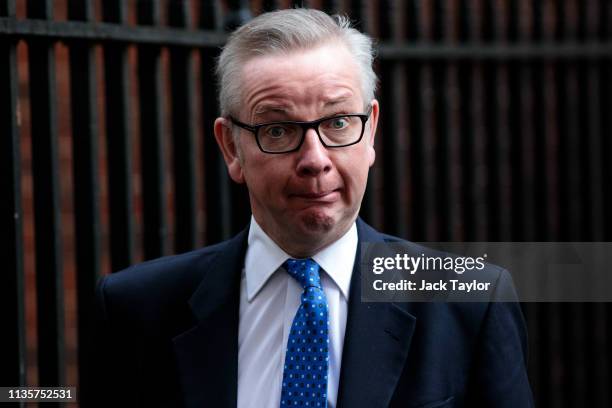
<point x="305" y="126"/>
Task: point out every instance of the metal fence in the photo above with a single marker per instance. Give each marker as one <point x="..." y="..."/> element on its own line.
<point x="495" y="126"/>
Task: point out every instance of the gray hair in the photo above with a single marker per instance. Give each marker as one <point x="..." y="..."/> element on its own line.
<point x="285" y="31"/>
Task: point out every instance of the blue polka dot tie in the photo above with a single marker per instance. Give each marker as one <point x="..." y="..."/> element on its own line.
<point x="306" y="360"/>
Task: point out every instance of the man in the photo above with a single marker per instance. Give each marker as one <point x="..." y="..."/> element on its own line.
<point x="273" y="317"/>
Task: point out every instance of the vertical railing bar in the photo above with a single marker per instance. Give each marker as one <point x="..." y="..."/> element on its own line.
<point x="570" y="144"/>
<point x="389" y="138"/>
<point x="466" y="127"/>
<point x="210" y="15"/>
<point x="582" y="30"/>
<point x="369" y="206"/>
<point x="415" y="128"/>
<point x="575" y="106"/>
<point x="551" y="142"/>
<point x="575" y="193"/>
<point x="556" y="386"/>
<point x="438" y="19"/>
<point x="513" y="27"/>
<point x="598" y="353"/>
<point x="454" y="138"/>
<point x="606" y="123"/>
<point x="150" y="94"/>
<point x="428" y="135"/>
<point x="594" y="212"/>
<point x="118" y="118"/>
<point x="12" y="280"/>
<point x="49" y="273"/>
<point x="513" y="125"/>
<point x="217" y="182"/>
<point x="559" y="25"/>
<point x="524" y="130"/>
<point x="374" y="193"/>
<point x="605" y="19"/>
<point x="183" y="133"/>
<point x="569" y="175"/>
<point x="148" y="12"/>
<point x="540" y="126"/>
<point x="502" y="143"/>
<point x="415" y="164"/>
<point x="439" y="128"/>
<point x="218" y="15"/>
<point x="238" y="12"/>
<point x="543" y="355"/>
<point x="524" y="126"/>
<point x="463" y="155"/>
<point x="487" y="25"/>
<point x="479" y="183"/>
<point x="398" y="107"/>
<point x="597" y="115"/>
<point x="491" y="119"/>
<point x="83" y="97"/>
<point x="8" y="8"/>
<point x="463" y="21"/>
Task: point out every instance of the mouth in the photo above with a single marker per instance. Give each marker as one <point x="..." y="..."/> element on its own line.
<point x="327" y="196"/>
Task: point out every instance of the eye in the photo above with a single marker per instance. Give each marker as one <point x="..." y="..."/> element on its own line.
<point x="338" y="123"/>
<point x="276" y="131"/>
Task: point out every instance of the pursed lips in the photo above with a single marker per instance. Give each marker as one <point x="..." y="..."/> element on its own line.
<point x="316" y="196"/>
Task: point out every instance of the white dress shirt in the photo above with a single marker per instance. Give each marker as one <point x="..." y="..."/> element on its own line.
<point x="269" y="299"/>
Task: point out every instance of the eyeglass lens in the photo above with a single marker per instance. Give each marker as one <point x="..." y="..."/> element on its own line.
<point x="337" y="131"/>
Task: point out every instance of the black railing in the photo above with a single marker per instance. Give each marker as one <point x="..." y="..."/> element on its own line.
<point x="495" y="126"/>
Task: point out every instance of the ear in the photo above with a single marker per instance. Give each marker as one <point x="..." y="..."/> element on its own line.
<point x="229" y="149"/>
<point x="371" y="131"/>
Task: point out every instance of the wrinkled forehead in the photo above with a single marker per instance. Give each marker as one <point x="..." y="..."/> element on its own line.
<point x="318" y="74"/>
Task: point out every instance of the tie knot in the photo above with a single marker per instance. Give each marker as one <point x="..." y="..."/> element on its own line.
<point x="305" y="271"/>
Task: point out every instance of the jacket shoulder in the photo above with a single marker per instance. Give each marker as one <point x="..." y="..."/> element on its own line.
<point x="157" y="287"/>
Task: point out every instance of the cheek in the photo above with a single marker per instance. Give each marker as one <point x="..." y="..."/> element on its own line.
<point x="355" y="168"/>
<point x="265" y="179"/>
<point x="355" y="179"/>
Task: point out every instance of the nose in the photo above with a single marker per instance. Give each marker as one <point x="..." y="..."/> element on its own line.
<point x="313" y="157"/>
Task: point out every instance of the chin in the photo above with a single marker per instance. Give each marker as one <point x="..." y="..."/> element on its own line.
<point x="318" y="222"/>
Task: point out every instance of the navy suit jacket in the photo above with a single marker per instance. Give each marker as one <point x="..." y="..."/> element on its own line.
<point x="167" y="335"/>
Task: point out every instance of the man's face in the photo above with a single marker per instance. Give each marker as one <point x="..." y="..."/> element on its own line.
<point x="307" y="199"/>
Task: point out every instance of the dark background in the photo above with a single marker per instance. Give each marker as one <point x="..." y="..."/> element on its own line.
<point x="496" y="126"/>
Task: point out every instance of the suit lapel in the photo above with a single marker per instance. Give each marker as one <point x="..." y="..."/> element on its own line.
<point x="207" y="354"/>
<point x="376" y="342"/>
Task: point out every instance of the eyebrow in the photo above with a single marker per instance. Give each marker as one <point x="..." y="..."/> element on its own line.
<point x="271" y="108"/>
<point x="264" y="109"/>
<point x="337" y="101"/>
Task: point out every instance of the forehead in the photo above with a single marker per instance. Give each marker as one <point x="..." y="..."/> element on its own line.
<point x="327" y="74"/>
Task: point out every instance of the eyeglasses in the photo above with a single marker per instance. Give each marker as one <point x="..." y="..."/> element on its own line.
<point x="288" y="136"/>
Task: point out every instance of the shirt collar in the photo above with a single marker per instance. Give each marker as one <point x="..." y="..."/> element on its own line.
<point x="264" y="257"/>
